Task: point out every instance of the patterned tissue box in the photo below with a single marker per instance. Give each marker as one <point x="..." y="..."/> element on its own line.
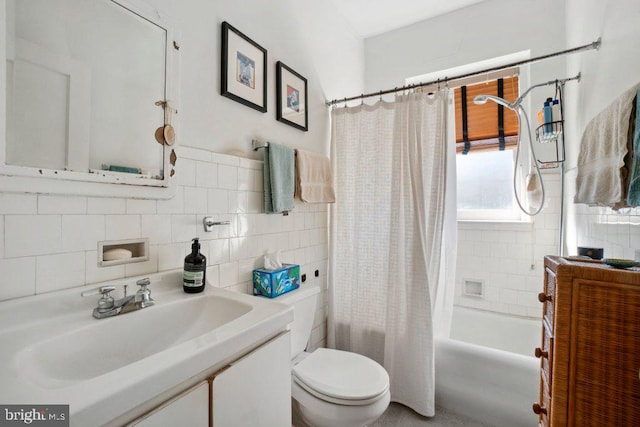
<point x="271" y="283"/>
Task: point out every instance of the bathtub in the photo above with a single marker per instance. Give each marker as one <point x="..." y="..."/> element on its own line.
<point x="491" y="385"/>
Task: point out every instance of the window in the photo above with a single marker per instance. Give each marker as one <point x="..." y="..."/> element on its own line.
<point x="485" y="172"/>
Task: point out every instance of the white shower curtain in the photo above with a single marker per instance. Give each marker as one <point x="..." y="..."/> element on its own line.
<point x="387" y="229"/>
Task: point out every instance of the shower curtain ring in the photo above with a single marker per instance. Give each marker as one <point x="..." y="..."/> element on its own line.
<point x="362" y="99"/>
<point x="380" y="95"/>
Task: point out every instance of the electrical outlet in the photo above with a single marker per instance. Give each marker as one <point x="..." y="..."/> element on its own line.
<point x="304" y="278"/>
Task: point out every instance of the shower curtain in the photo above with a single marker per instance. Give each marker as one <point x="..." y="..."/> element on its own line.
<point x="388" y="263"/>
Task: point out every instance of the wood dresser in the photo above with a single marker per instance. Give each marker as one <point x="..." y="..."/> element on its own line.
<point x="590" y="353"/>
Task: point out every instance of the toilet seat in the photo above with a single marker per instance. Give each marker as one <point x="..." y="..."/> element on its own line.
<point x="341" y="377"/>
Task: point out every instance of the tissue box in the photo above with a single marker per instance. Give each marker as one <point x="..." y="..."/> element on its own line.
<point x="271" y="283"/>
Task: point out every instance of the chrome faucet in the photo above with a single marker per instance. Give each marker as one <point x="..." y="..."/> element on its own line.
<point x="108" y="307"/>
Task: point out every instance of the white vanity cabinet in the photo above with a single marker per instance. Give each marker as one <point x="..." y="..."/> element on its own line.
<point x="255" y="391"/>
<point x="189" y="408"/>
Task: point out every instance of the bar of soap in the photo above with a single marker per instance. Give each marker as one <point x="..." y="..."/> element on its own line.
<point x="116" y="253"/>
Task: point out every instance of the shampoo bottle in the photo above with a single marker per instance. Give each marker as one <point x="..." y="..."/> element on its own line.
<point x="548" y="116"/>
<point x="195" y="269"/>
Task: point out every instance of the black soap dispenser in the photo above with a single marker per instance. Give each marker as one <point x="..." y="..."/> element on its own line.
<point x="195" y="270"/>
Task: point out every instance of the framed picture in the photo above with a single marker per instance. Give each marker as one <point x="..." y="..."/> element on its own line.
<point x="244" y="69"/>
<point x="291" y="97"/>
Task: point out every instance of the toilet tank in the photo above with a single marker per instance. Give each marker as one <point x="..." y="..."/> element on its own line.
<point x="304" y="301"/>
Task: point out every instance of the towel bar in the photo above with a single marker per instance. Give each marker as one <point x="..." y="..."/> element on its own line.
<point x="257" y="144"/>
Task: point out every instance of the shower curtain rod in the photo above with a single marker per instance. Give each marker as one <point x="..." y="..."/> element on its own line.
<point x="593" y="45"/>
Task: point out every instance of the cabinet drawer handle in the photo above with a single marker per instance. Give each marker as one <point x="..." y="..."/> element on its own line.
<point x="537" y="409"/>
<point x="539" y="353"/>
<point x="542" y="297"/>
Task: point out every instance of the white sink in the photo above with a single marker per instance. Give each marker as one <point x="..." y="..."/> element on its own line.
<point x="112" y="343"/>
<point x="54" y="351"/>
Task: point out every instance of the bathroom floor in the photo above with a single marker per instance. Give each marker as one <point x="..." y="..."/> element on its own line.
<point x="398" y="415"/>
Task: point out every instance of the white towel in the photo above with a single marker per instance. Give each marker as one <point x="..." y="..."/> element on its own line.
<point x="314" y="180"/>
<point x="602" y="174"/>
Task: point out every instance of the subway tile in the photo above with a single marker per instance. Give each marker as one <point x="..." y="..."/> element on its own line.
<point x="60" y="271"/>
<point x="228" y="177"/>
<point x="157" y="228"/>
<point x="251" y="164"/>
<point x="228" y="274"/>
<point x="28" y="235"/>
<point x="206" y="174"/>
<point x="61" y="204"/>
<point x="195" y="200"/>
<point x="106" y="205"/>
<point x="146" y="267"/>
<point x="237" y="248"/>
<point x="225" y="159"/>
<point x="258" y="180"/>
<point x="255" y="202"/>
<point x="97" y="274"/>
<point x="175" y="205"/>
<point x="82" y="232"/>
<point x="18" y="204"/>
<point x="138" y="206"/>
<point x="171" y="256"/>
<point x="193" y="153"/>
<point x="235" y="202"/>
<point x="18" y="277"/>
<point x="119" y="227"/>
<point x="183" y="228"/>
<point x="186" y="170"/>
<point x="217" y="201"/>
<point x="254" y="246"/>
<point x="245" y="179"/>
<point x="218" y="252"/>
<point x="245" y="269"/>
<point x="213" y="276"/>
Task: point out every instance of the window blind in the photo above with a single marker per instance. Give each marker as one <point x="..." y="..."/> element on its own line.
<point x="482" y="124"/>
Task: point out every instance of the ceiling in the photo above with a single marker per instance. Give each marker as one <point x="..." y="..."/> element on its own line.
<point x="372" y="17"/>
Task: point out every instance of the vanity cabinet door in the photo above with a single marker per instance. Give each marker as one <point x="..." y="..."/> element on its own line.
<point x="255" y="391"/>
<point x="189" y="408"/>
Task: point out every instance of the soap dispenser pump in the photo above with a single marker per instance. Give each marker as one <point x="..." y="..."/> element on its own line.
<point x="195" y="269"/>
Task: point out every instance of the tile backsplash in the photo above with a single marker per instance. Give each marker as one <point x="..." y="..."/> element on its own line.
<point x="508" y="258"/>
<point x="49" y="242"/>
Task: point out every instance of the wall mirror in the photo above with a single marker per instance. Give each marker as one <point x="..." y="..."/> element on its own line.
<point x="85" y="85"/>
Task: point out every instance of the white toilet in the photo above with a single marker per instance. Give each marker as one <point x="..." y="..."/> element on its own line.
<point x="330" y="388"/>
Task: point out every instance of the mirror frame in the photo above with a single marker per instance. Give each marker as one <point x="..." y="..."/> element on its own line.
<point x="25" y="179"/>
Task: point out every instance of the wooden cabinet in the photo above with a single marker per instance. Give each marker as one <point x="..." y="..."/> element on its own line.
<point x="590" y="347"/>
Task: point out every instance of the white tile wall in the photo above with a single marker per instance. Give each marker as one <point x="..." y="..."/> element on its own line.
<point x="49" y="242"/>
<point x="508" y="257"/>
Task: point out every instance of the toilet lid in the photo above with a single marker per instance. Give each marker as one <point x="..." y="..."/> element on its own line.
<point x="341" y="375"/>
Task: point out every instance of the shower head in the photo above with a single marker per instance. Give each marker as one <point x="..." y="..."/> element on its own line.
<point x="482" y="99"/>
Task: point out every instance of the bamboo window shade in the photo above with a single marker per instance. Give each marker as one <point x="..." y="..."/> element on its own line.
<point x="482" y="120"/>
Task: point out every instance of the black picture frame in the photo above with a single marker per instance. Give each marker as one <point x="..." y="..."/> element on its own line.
<point x="243" y="69"/>
<point x="291" y="97"/>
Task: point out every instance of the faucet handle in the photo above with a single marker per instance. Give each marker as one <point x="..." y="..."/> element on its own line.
<point x="102" y="290"/>
<point x="106" y="302"/>
<point x="143" y="282"/>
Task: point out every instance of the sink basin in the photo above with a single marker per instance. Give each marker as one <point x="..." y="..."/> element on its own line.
<point x="54" y="351"/>
<point x="112" y="343"/>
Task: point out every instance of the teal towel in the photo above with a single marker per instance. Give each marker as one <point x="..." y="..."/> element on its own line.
<point x="278" y="178"/>
<point x="633" y="198"/>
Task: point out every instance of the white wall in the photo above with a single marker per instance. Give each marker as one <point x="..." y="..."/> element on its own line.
<point x="500" y="254"/>
<point x="306" y="36"/>
<point x="605" y="75"/>
<point x="49" y="242"/>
